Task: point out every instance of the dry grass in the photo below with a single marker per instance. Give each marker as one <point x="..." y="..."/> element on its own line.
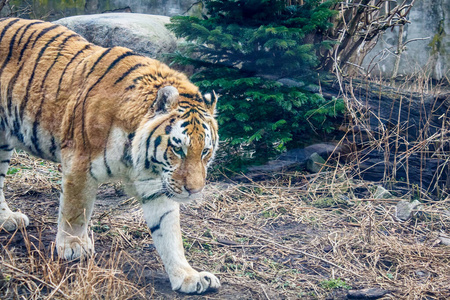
<point x="298" y="236"/>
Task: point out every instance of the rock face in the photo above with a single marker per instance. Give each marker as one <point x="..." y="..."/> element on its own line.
<point x="429" y="19"/>
<point x="55" y="9"/>
<point x="145" y="34"/>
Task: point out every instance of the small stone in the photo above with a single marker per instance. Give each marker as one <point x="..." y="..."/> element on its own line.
<point x="291" y="82"/>
<point x="382" y="193"/>
<point x="444" y="240"/>
<point x="315" y="163"/>
<point x="370" y="293"/>
<point x="420" y="273"/>
<point x="327" y="248"/>
<point x="404" y="210"/>
<point x="312" y="88"/>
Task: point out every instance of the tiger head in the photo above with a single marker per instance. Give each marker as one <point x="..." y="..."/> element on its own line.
<point x="174" y="145"/>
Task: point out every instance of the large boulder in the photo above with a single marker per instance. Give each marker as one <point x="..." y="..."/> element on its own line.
<point x="145" y="34"/>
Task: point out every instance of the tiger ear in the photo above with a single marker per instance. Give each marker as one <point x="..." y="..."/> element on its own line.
<point x="166" y="99"/>
<point x="211" y="101"/>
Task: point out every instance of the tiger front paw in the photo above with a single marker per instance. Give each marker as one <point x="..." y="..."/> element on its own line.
<point x="74" y="247"/>
<point x="193" y="282"/>
<point x="13" y="220"/>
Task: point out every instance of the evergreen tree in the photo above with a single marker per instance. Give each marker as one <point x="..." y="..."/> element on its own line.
<point x="255" y="54"/>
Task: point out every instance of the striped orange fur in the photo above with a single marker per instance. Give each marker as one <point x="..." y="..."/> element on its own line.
<point x="105" y="114"/>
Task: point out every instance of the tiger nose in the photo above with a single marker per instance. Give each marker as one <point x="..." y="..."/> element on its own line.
<point x="193" y="191"/>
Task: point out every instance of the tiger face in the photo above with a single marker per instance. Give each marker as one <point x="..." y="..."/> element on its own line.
<point x="174" y="147"/>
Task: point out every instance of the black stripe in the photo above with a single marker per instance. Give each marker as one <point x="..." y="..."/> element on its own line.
<point x="12" y="81"/>
<point x="98" y="60"/>
<point x="34" y="137"/>
<point x="147" y="162"/>
<point x="16" y="126"/>
<point x="118" y="59"/>
<point x="25" y="47"/>
<point x="92" y="174"/>
<point x="152" y="197"/>
<point x="42" y="32"/>
<point x="7" y="27"/>
<point x="133" y="68"/>
<point x="154" y="160"/>
<point x="11" y="47"/>
<point x="26" y="29"/>
<point x="108" y="169"/>
<point x="148" y="75"/>
<point x="5" y="161"/>
<point x="110" y="67"/>
<point x="2" y="175"/>
<point x="158" y="226"/>
<point x="126" y="158"/>
<point x="156" y="145"/>
<point x="3" y="147"/>
<point x="9" y="90"/>
<point x="165" y="154"/>
<point x="53" y="148"/>
<point x="135" y="80"/>
<point x="61" y="47"/>
<point x="168" y="129"/>
<point x="67" y="66"/>
<point x="187" y="96"/>
<point x="36" y="62"/>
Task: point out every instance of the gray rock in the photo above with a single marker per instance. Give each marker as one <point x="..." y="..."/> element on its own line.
<point x="301" y="155"/>
<point x="312" y="88"/>
<point x="274" y="166"/>
<point x="404" y="210"/>
<point x="315" y="163"/>
<point x="291" y="82"/>
<point x="295" y="158"/>
<point x="382" y="193"/>
<point x="370" y="293"/>
<point x="145" y="34"/>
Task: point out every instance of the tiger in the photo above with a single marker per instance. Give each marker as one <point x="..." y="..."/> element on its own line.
<point x="105" y="114"/>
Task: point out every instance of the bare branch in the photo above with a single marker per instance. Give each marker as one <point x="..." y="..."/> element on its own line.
<point x="3" y="3"/>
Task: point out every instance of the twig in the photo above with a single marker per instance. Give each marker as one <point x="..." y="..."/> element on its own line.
<point x="34" y="278"/>
<point x="264" y="291"/>
<point x="3" y="3"/>
<point x="302" y="252"/>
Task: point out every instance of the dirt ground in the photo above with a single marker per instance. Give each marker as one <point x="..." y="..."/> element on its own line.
<point x="316" y="238"/>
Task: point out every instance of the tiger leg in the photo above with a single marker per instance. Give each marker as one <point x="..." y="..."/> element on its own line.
<point x="75" y="210"/>
<point x="9" y="220"/>
<point x="163" y="218"/>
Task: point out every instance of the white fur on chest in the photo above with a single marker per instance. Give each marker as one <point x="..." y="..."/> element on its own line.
<point x="110" y="165"/>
